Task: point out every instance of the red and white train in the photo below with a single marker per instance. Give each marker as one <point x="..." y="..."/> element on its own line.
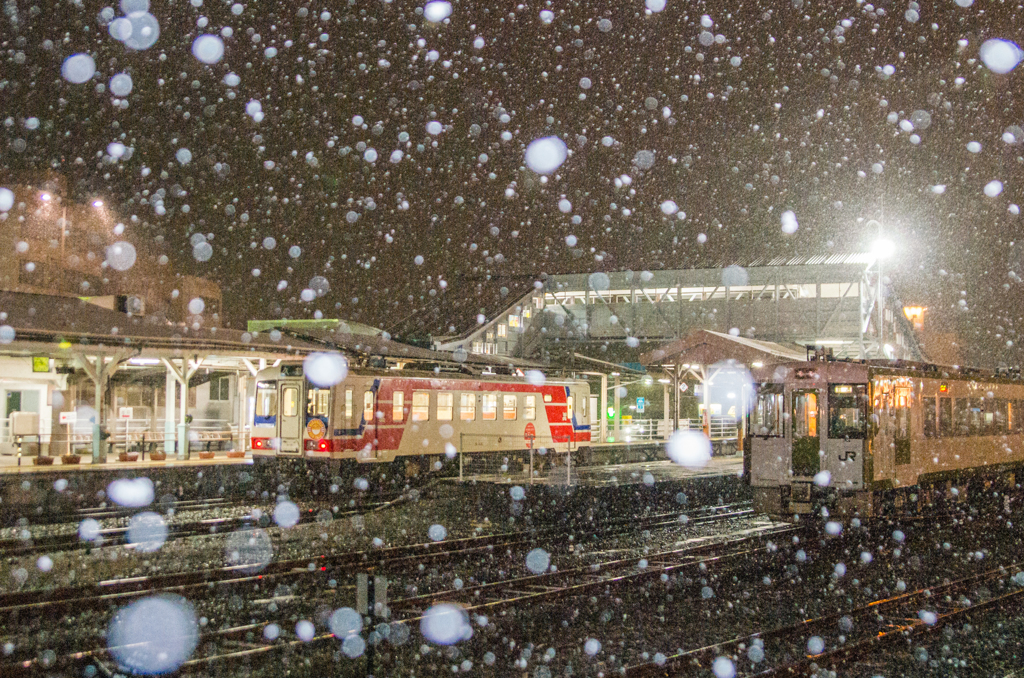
<point x="381" y="415"/>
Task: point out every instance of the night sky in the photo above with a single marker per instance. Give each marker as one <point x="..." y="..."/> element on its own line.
<point x="793" y="106"/>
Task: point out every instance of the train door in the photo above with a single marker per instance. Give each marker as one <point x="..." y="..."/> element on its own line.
<point x="290" y="416"/>
<point x="806" y="433"/>
<point x="766" y="458"/>
<point x="845" y="436"/>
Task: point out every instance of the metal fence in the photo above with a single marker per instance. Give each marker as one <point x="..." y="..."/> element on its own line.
<point x="546" y="461"/>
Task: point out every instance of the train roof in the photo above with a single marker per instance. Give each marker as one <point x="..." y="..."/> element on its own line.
<point x="425" y="374"/>
<point x="906" y="368"/>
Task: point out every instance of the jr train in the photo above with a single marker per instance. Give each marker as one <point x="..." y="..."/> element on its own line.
<point x="876" y="438"/>
<point x="381" y="415"/>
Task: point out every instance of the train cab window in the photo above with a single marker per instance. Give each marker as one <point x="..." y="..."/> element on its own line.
<point x="420" y="406"/>
<point x="568" y="408"/>
<point x="290" y="401"/>
<point x="266" y="399"/>
<point x="445" y="406"/>
<point x="490" y="408"/>
<point x="945" y="417"/>
<point x="848" y="411"/>
<point x="368" y="406"/>
<point x="508" y="407"/>
<point x="398" y="406"/>
<point x="467" y="406"/>
<point x="348" y="403"/>
<point x="766" y="417"/>
<point x="530" y="408"/>
<point x="930" y="414"/>
<point x="318" y="401"/>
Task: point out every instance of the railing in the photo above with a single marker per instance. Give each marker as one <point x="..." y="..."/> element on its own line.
<point x="539" y="460"/>
<point x="721" y="428"/>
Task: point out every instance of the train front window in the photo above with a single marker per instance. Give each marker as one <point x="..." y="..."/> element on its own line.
<point x="847" y="410"/>
<point x="318" y="401"/>
<point x="266" y="399"/>
<point x="766" y="418"/>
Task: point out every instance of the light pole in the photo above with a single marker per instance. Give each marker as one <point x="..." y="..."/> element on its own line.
<point x="882" y="249"/>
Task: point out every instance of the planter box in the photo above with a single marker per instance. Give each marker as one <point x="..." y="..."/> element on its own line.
<point x="207" y="455"/>
<point x="70" y="458"/>
<point x="128" y="456"/>
<point x="236" y="454"/>
<point x="42" y="461"/>
<point x="158" y="456"/>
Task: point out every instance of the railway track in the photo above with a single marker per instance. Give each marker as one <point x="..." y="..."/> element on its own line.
<point x="107" y="595"/>
<point x="113" y="536"/>
<point x="832" y="641"/>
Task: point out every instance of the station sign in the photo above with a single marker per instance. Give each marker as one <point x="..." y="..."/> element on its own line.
<point x="40" y="363"/>
<point x="640" y="404"/>
<point x="68" y="417"/>
<point x="124" y="413"/>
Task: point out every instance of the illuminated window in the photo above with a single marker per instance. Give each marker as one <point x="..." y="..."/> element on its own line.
<point x="467" y="406"/>
<point x="530" y="410"/>
<point x="266" y="399"/>
<point x="420" y="406"/>
<point x="513" y="320"/>
<point x="490" y="408"/>
<point x="318" y="402"/>
<point x="568" y="408"/>
<point x="502" y="330"/>
<point x="445" y="406"/>
<point x="398" y="406"/>
<point x="368" y="406"/>
<point x="290" y="401"/>
<point x="478" y="347"/>
<point x="508" y="407"/>
<point x="348" y="403"/>
<point x="547" y="397"/>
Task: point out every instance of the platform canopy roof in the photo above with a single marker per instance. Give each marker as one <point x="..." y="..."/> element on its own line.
<point x="704" y="347"/>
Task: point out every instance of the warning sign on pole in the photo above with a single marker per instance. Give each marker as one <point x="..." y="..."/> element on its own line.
<point x="530" y="435"/>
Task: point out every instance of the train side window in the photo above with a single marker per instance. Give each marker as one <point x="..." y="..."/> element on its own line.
<point x="348" y="403"/>
<point x="930" y="412"/>
<point x="568" y="408"/>
<point x="368" y="406"/>
<point x="490" y="408"/>
<point x="445" y="406"/>
<point x="530" y="410"/>
<point x="508" y="407"/>
<point x="583" y="408"/>
<point x="290" y="401"/>
<point x="963" y="417"/>
<point x="467" y="406"/>
<point x="1001" y="418"/>
<point x="945" y="417"/>
<point x="398" y="406"/>
<point x="420" y="405"/>
<point x="975" y="417"/>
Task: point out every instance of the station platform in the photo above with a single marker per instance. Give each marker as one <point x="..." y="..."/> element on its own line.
<point x="630" y="473"/>
<point x="9" y="464"/>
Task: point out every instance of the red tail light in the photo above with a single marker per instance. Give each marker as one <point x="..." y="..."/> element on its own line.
<point x="260" y="443"/>
<point x="323" y="445"/>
